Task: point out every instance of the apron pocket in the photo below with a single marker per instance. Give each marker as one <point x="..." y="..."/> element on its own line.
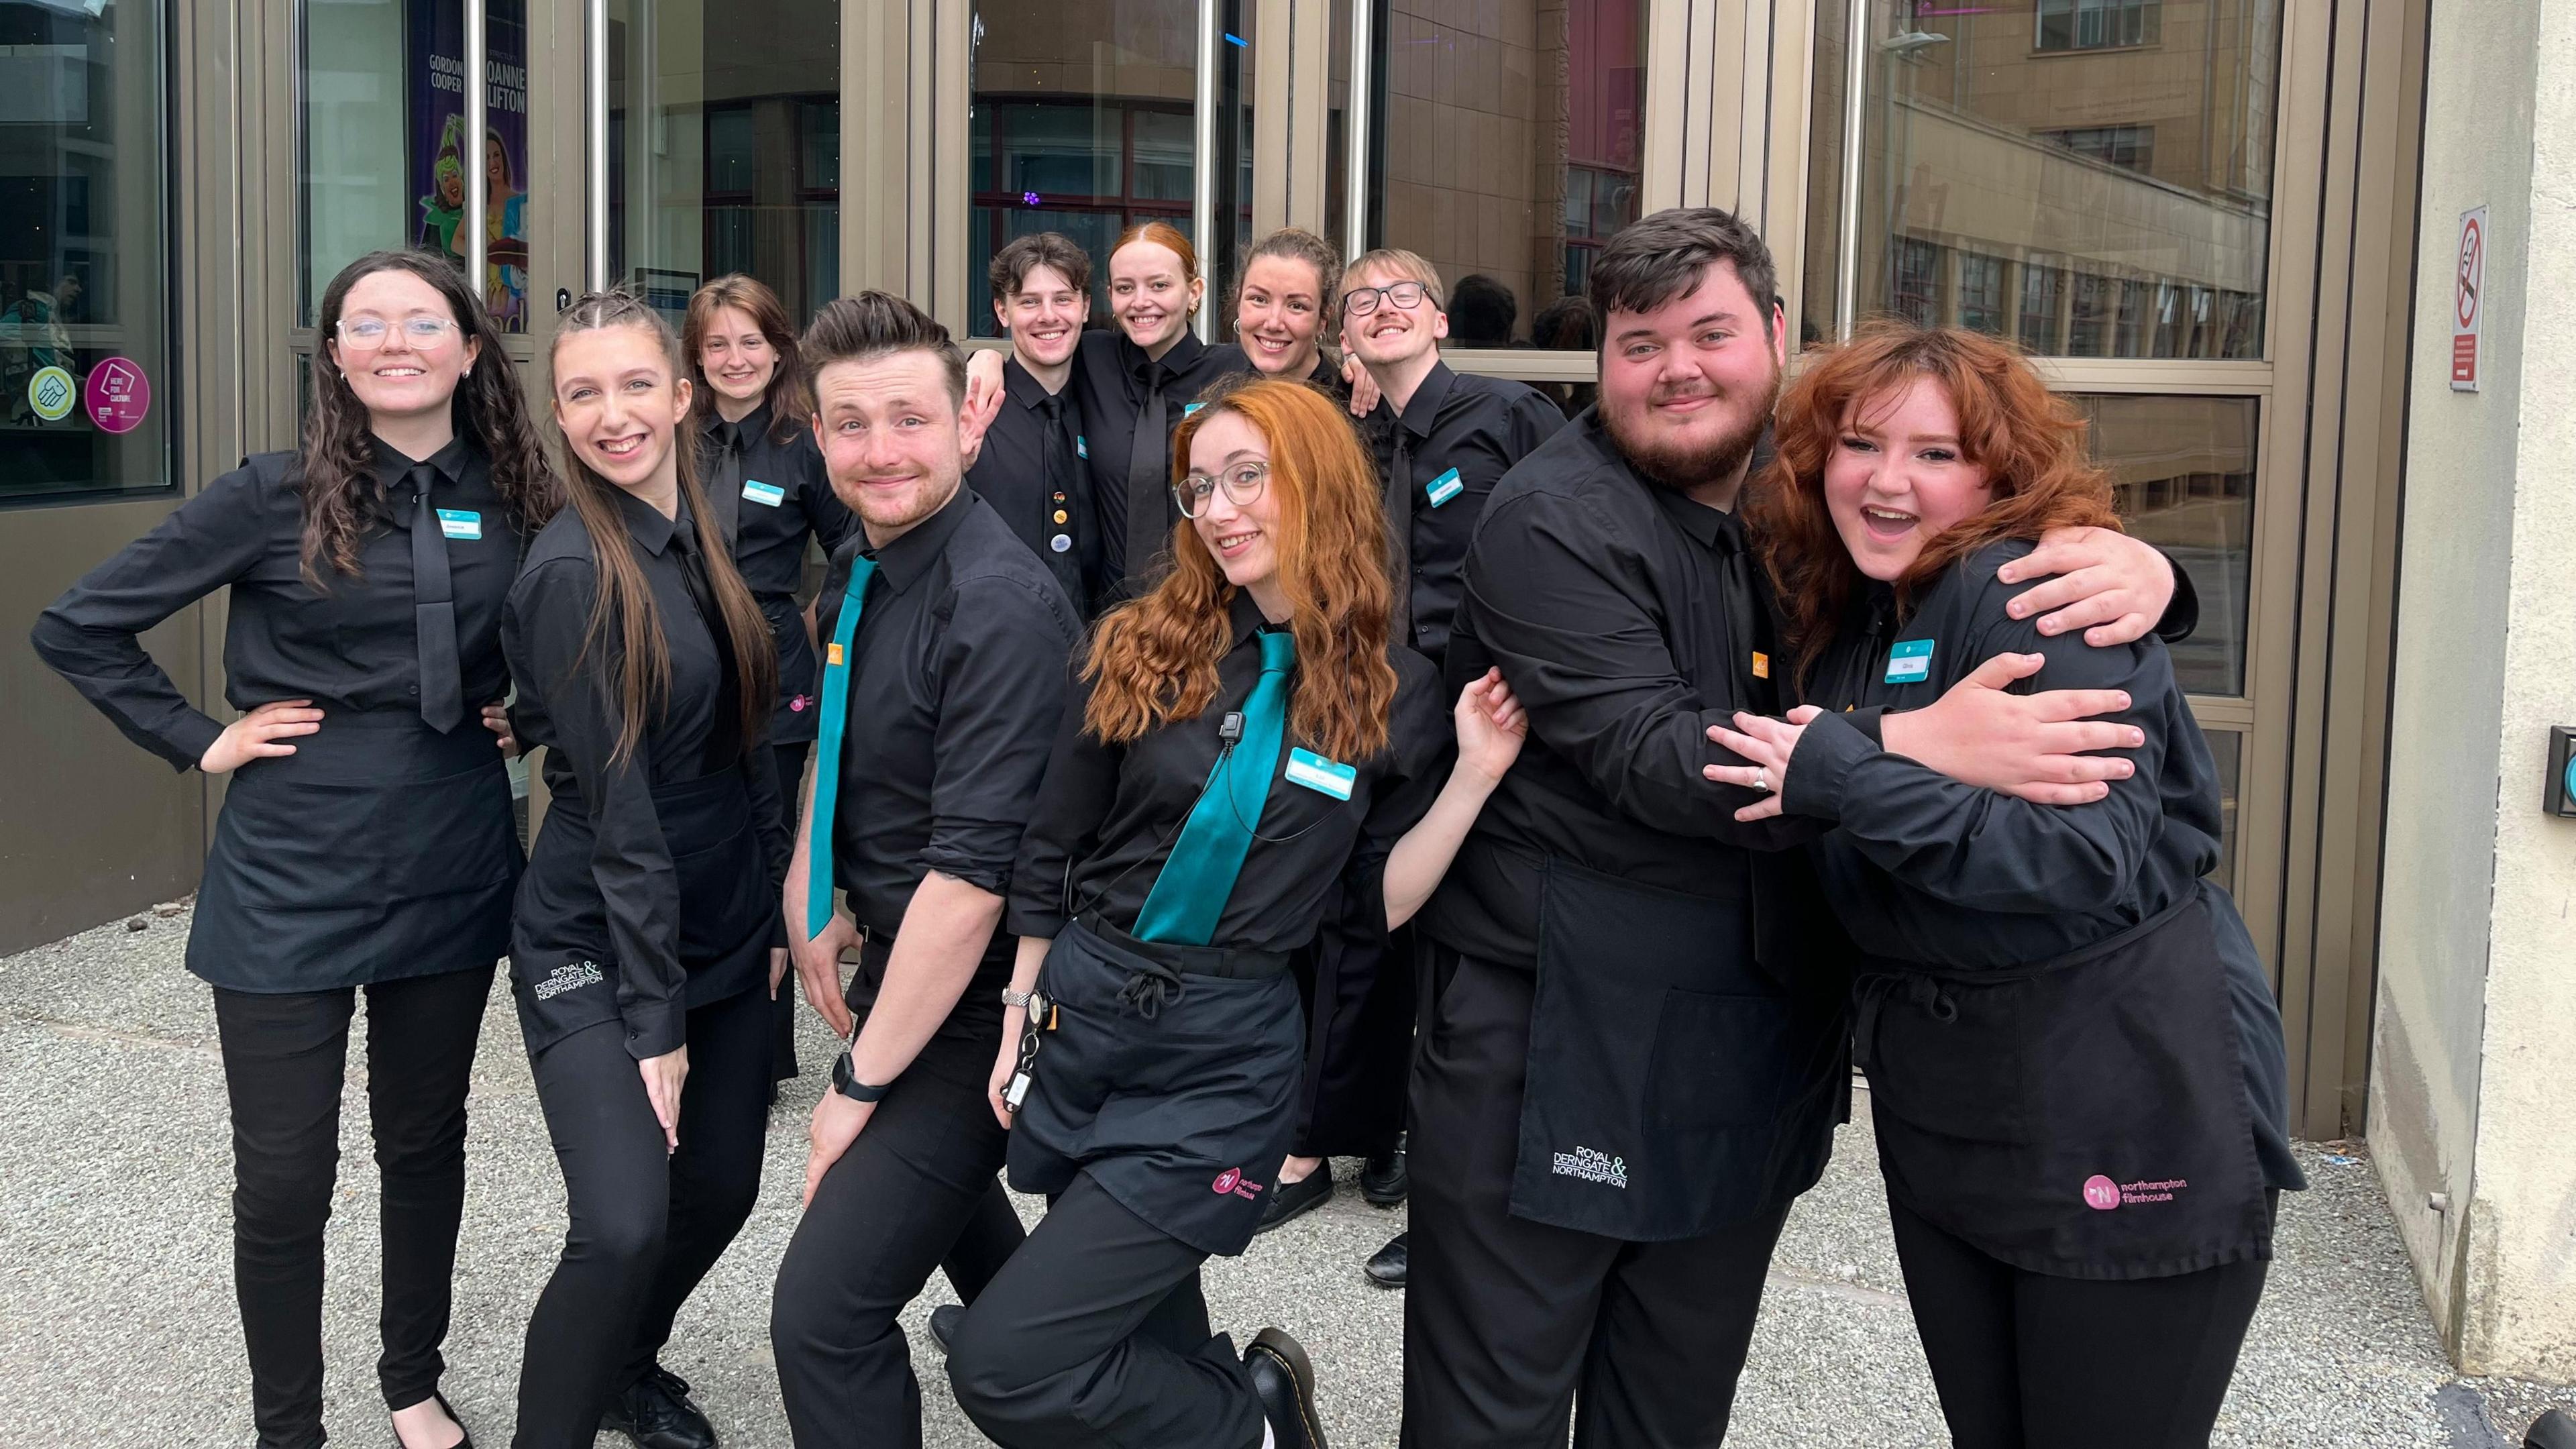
<point x="1947" y="1059"/>
<point x="1697" y="1081"/>
<point x="721" y="898"/>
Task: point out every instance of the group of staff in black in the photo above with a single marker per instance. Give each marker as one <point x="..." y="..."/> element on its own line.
<point x="1200" y="762"/>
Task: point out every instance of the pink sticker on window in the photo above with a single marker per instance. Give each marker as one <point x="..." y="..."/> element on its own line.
<point x="117" y="395"/>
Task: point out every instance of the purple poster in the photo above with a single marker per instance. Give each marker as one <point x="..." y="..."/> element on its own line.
<point x="439" y="170"/>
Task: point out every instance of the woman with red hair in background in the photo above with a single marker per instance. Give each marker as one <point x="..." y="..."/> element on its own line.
<point x="2075" y="1062"/>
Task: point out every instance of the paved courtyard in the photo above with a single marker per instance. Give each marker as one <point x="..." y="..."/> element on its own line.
<point x="117" y="1324"/>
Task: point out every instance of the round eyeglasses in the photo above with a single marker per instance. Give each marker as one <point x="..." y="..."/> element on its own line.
<point x="1242" y="484"/>
<point x="367" y="333"/>
<point x="1361" y="301"/>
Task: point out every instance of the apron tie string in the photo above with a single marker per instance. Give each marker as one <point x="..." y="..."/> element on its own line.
<point x="1149" y="990"/>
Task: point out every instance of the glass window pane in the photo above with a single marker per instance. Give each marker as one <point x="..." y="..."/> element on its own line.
<point x="1081" y="124"/>
<point x="724" y="148"/>
<point x="85" y="382"/>
<point x="1510" y="151"/>
<point x="2227" y="748"/>
<point x="2182" y="476"/>
<point x="2070" y="133"/>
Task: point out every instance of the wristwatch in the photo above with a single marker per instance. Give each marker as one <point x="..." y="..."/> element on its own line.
<point x="850" y="1086"/>
<point x="1017" y="998"/>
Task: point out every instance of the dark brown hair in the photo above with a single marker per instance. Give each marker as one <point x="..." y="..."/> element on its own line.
<point x="872" y="325"/>
<point x="1656" y="258"/>
<point x="625" y="604"/>
<point x="2030" y="442"/>
<point x="1153" y="661"/>
<point x="753" y="299"/>
<point x="1011" y="265"/>
<point x="338" y="454"/>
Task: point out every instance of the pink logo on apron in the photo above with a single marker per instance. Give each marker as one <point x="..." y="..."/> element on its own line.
<point x="798" y="703"/>
<point x="1230" y="1183"/>
<point x="2101" y="1193"/>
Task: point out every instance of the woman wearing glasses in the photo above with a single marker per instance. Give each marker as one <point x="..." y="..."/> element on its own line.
<point x="366" y="839"/>
<point x="1239" y="740"/>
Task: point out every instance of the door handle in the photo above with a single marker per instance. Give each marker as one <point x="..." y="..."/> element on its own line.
<point x="563" y="300"/>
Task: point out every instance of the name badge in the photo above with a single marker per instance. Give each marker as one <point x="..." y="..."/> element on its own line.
<point x="1191" y="408"/>
<point x="1323" y="776"/>
<point x="1081" y="446"/>
<point x="1446" y="487"/>
<point x="1910" y="661"/>
<point x="768" y="495"/>
<point x="460" y="523"/>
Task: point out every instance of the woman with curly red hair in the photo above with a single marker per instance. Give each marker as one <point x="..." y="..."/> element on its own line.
<point x="1240" y="741"/>
<point x="2075" y="1062"/>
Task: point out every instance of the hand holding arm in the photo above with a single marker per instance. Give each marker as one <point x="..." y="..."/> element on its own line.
<point x="2035" y="746"/>
<point x="1491" y="729"/>
<point x="2104" y="579"/>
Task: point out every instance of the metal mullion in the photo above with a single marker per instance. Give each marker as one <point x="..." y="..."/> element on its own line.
<point x="1524" y="364"/>
<point x="1203" y="161"/>
<point x="1357" y="118"/>
<point x="478" y="203"/>
<point x="2157" y="375"/>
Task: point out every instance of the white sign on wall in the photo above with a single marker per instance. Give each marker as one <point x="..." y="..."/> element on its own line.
<point x="2468" y="299"/>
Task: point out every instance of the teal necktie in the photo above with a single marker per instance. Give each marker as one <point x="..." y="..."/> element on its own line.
<point x="1191" y="893"/>
<point x="827" y="749"/>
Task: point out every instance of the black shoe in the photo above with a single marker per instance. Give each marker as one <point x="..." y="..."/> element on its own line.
<point x="1383" y="1180"/>
<point x="1302" y="1196"/>
<point x="466" y="1442"/>
<point x="1388" y="1267"/>
<point x="1285" y="1384"/>
<point x="2553" y="1430"/>
<point x="656" y="1413"/>
<point x="943" y="1323"/>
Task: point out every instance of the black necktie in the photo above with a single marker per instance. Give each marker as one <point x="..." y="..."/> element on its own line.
<point x="724" y="742"/>
<point x="433" y="609"/>
<point x="1058" y="525"/>
<point x="1399" y="527"/>
<point x="1149" y="491"/>
<point x="724" y="491"/>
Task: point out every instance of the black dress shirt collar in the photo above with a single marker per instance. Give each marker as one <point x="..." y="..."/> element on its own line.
<point x="391" y="464"/>
<point x="905" y="560"/>
<point x="1024" y="387"/>
<point x="1423" y="408"/>
<point x="1175" y="360"/>
<point x="1245" y="618"/>
<point x="754" y="424"/>
<point x="645" y="523"/>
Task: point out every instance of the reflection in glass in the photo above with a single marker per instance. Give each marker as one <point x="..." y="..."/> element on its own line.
<point x="2182" y="477"/>
<point x="724" y="148"/>
<point x="85" y="382"/>
<point x="1509" y="143"/>
<point x="2084" y="134"/>
<point x="2227" y="748"/>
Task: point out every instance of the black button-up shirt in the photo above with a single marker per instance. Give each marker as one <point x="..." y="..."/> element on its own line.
<point x="1043" y="508"/>
<point x="354" y="645"/>
<point x="1112" y="378"/>
<point x="956" y="685"/>
<point x="1627" y="619"/>
<point x="1110" y="814"/>
<point x="784" y="497"/>
<point x="1462" y="432"/>
<point x="618" y="901"/>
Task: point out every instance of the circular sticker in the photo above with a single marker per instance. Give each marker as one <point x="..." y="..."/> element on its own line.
<point x="2100" y="1193"/>
<point x="1226" y="1180"/>
<point x="117" y="395"/>
<point x="50" y="393"/>
<point x="1060" y="543"/>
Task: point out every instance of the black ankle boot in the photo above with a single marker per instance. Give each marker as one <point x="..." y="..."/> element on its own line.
<point x="655" y="1411"/>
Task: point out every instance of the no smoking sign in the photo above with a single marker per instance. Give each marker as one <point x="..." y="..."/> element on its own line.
<point x="2468" y="300"/>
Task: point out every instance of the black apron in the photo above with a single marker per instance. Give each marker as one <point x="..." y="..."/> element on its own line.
<point x="1172" y="1085"/>
<point x="2083" y="1117"/>
<point x="1674" y="1086"/>
<point x="380" y="849"/>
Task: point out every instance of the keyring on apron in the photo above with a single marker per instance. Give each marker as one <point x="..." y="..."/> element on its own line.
<point x="1041" y="1017"/>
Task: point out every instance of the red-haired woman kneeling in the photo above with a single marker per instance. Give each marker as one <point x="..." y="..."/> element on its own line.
<point x="1240" y="739"/>
<point x="2075" y="1062"/>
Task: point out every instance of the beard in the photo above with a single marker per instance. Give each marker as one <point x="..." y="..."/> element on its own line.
<point x="1679" y="464"/>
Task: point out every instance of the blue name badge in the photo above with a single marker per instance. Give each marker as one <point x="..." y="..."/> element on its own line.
<point x="1446" y="487"/>
<point x="767" y="494"/>
<point x="1191" y="408"/>
<point x="1323" y="776"/>
<point x="1081" y="446"/>
<point x="460" y="523"/>
<point x="1910" y="662"/>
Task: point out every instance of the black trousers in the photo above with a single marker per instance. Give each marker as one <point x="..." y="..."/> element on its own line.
<point x="1512" y="1326"/>
<point x="647" y="1223"/>
<point x="285" y="1058"/>
<point x="1358" y="982"/>
<point x="1096" y="1334"/>
<point x="918" y="1190"/>
<point x="791" y="777"/>
<point x="2024" y="1360"/>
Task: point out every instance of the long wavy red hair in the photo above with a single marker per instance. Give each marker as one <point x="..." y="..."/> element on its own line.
<point x="1153" y="661"/>
<point x="2029" y="440"/>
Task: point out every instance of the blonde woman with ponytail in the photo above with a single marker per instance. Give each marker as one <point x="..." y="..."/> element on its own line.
<point x="646" y="945"/>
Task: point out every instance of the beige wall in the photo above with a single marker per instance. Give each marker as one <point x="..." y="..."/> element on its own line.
<point x="2472" y="1097"/>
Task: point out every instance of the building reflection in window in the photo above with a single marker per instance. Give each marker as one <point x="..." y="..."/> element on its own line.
<point x="2182" y="477"/>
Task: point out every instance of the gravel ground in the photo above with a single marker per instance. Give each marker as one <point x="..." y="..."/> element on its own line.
<point x="117" y="1323"/>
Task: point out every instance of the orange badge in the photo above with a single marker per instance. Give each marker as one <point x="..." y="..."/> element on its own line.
<point x="832" y="655"/>
<point x="1761" y="665"/>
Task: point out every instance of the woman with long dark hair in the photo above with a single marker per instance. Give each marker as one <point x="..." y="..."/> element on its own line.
<point x="768" y="493"/>
<point x="648" y="923"/>
<point x="2075" y="1062"/>
<point x="1240" y="742"/>
<point x="366" y="838"/>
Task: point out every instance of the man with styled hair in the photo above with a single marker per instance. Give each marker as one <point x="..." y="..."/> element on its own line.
<point x="946" y="644"/>
<point x="1635" y="1052"/>
<point x="1032" y="469"/>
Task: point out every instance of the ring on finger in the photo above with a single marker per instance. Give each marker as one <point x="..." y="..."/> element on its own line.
<point x="1762" y="781"/>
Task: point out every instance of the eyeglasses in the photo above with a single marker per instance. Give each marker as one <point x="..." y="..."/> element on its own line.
<point x="1361" y="301"/>
<point x="1242" y="485"/>
<point x="366" y="333"/>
